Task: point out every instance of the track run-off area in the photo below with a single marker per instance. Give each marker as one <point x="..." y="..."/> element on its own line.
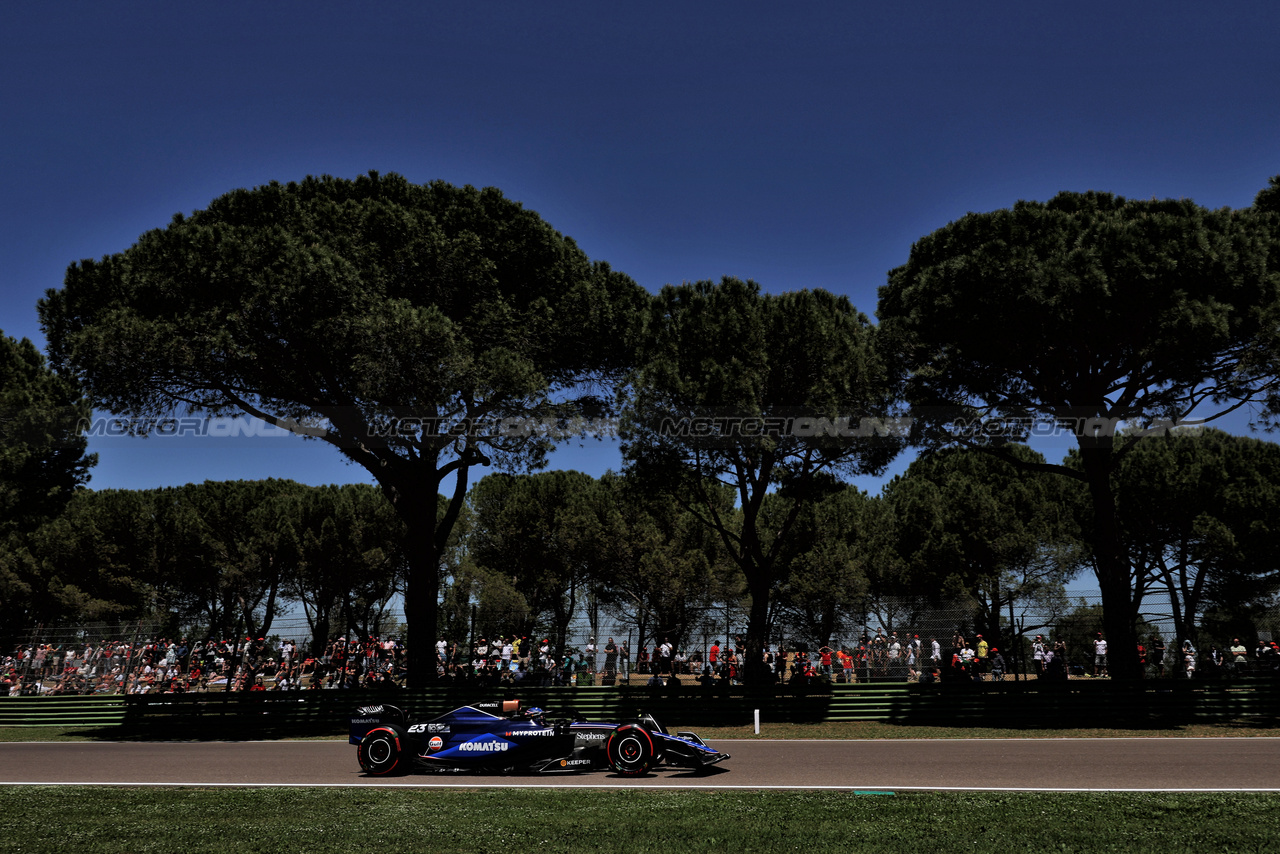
<point x="1022" y="764"/>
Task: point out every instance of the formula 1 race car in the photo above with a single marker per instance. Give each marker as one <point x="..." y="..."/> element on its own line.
<point x="503" y="737"/>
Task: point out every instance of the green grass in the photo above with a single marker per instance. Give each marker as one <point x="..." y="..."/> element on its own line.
<point x="381" y="821"/>
<point x="52" y="733"/>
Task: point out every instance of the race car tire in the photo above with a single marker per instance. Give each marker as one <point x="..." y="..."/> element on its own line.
<point x="631" y="750"/>
<point x="384" y="751"/>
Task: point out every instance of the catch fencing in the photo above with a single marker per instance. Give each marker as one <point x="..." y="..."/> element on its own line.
<point x="106" y="658"/>
<point x="83" y="659"/>
<point x="1092" y="704"/>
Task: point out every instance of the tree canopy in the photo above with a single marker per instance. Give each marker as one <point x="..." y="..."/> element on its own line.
<point x="757" y="393"/>
<point x="348" y="562"/>
<point x="1085" y="313"/>
<point x="663" y="567"/>
<point x="224" y="557"/>
<point x="412" y="327"/>
<point x="543" y="532"/>
<point x="823" y="590"/>
<point x="43" y="464"/>
<point x="1198" y="510"/>
<point x="965" y="522"/>
<point x="42" y="444"/>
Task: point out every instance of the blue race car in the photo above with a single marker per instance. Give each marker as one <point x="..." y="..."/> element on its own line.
<point x="503" y="737"/>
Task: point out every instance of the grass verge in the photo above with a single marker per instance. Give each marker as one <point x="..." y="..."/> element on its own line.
<point x="385" y="821"/>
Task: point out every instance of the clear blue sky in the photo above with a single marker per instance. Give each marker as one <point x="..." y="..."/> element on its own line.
<point x="801" y="145"/>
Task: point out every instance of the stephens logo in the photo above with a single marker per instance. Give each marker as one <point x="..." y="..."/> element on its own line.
<point x="484" y="746"/>
<point x="591" y="736"/>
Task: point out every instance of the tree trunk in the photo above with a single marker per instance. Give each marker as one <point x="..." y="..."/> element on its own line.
<point x="413" y="492"/>
<point x="320" y="635"/>
<point x="421" y="593"/>
<point x="755" y="671"/>
<point x="1111" y="567"/>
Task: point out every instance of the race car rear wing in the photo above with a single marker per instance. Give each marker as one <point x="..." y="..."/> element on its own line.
<point x="367" y="717"/>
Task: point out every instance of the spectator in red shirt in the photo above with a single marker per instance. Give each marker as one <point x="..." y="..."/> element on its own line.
<point x="824" y="660"/>
<point x="846" y="664"/>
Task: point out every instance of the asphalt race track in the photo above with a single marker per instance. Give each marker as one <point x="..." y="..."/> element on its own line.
<point x="1109" y="764"/>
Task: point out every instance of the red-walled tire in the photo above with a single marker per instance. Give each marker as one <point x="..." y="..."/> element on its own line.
<point x="384" y="751"/>
<point x="631" y="750"/>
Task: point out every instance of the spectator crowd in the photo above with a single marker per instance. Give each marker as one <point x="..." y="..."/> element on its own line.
<point x="166" y="665"/>
<point x="178" y="666"/>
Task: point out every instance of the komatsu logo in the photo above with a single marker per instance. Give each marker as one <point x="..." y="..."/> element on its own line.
<point x="483" y="746"/>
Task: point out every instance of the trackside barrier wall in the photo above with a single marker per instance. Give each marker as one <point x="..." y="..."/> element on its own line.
<point x="1078" y="703"/>
<point x="92" y="710"/>
<point x="327" y="711"/>
<point x="1099" y="703"/>
<point x="1088" y="703"/>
